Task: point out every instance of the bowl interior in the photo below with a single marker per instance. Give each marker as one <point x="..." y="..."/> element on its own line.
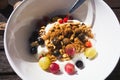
<point x="22" y="23"/>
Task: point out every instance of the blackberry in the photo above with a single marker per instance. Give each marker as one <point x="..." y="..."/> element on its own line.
<point x="33" y="50"/>
<point x="79" y="64"/>
<point x="40" y="41"/>
<point x="33" y="36"/>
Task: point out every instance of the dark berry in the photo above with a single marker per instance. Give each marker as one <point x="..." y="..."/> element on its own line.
<point x="40" y="41"/>
<point x="57" y="43"/>
<point x="33" y="50"/>
<point x="77" y="32"/>
<point x="35" y="33"/>
<point x="46" y="18"/>
<point x="56" y="53"/>
<point x="41" y="23"/>
<point x="79" y="64"/>
<point x="70" y="17"/>
<point x="54" y="19"/>
<point x="33" y="36"/>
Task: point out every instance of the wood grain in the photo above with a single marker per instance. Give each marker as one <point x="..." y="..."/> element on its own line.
<point x="117" y="12"/>
<point x="1" y="42"/>
<point x="4" y="65"/>
<point x="9" y="77"/>
<point x="113" y="3"/>
<point x="115" y="75"/>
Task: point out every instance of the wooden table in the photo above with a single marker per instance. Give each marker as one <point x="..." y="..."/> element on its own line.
<point x="7" y="73"/>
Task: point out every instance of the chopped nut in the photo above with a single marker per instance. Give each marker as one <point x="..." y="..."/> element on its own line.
<point x="65" y="55"/>
<point x="61" y="37"/>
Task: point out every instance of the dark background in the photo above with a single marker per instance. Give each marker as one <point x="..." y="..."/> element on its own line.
<point x="7" y="73"/>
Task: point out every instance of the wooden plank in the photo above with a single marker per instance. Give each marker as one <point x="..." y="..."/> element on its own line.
<point x="6" y="72"/>
<point x="9" y="77"/>
<point x="4" y="65"/>
<point x="1" y="42"/>
<point x="12" y="2"/>
<point x="115" y="75"/>
<point x="117" y="12"/>
<point x="113" y="3"/>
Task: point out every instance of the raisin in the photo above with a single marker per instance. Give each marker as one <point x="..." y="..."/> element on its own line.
<point x="68" y="34"/>
<point x="77" y="32"/>
<point x="81" y="37"/>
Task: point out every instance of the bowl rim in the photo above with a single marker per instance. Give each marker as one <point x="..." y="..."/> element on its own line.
<point x="6" y="50"/>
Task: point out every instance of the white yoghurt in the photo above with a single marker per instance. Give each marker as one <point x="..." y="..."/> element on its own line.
<point x="41" y="50"/>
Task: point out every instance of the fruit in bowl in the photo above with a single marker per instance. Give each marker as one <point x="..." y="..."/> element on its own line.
<point x="23" y="23"/>
<point x="60" y="38"/>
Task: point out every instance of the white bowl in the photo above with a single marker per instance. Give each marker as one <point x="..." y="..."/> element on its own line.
<point x="22" y="23"/>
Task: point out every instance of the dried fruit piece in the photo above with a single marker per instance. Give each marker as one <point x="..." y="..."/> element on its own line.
<point x="82" y="37"/>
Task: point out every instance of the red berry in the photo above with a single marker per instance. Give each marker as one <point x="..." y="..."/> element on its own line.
<point x="70" y="50"/>
<point x="60" y="21"/>
<point x="69" y="68"/>
<point x="88" y="44"/>
<point x="54" y="68"/>
<point x="65" y="19"/>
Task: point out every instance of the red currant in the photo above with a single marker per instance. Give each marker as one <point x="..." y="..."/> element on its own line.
<point x="65" y="19"/>
<point x="88" y="44"/>
<point x="69" y="68"/>
<point x="54" y="68"/>
<point x="60" y="21"/>
<point x="70" y="50"/>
